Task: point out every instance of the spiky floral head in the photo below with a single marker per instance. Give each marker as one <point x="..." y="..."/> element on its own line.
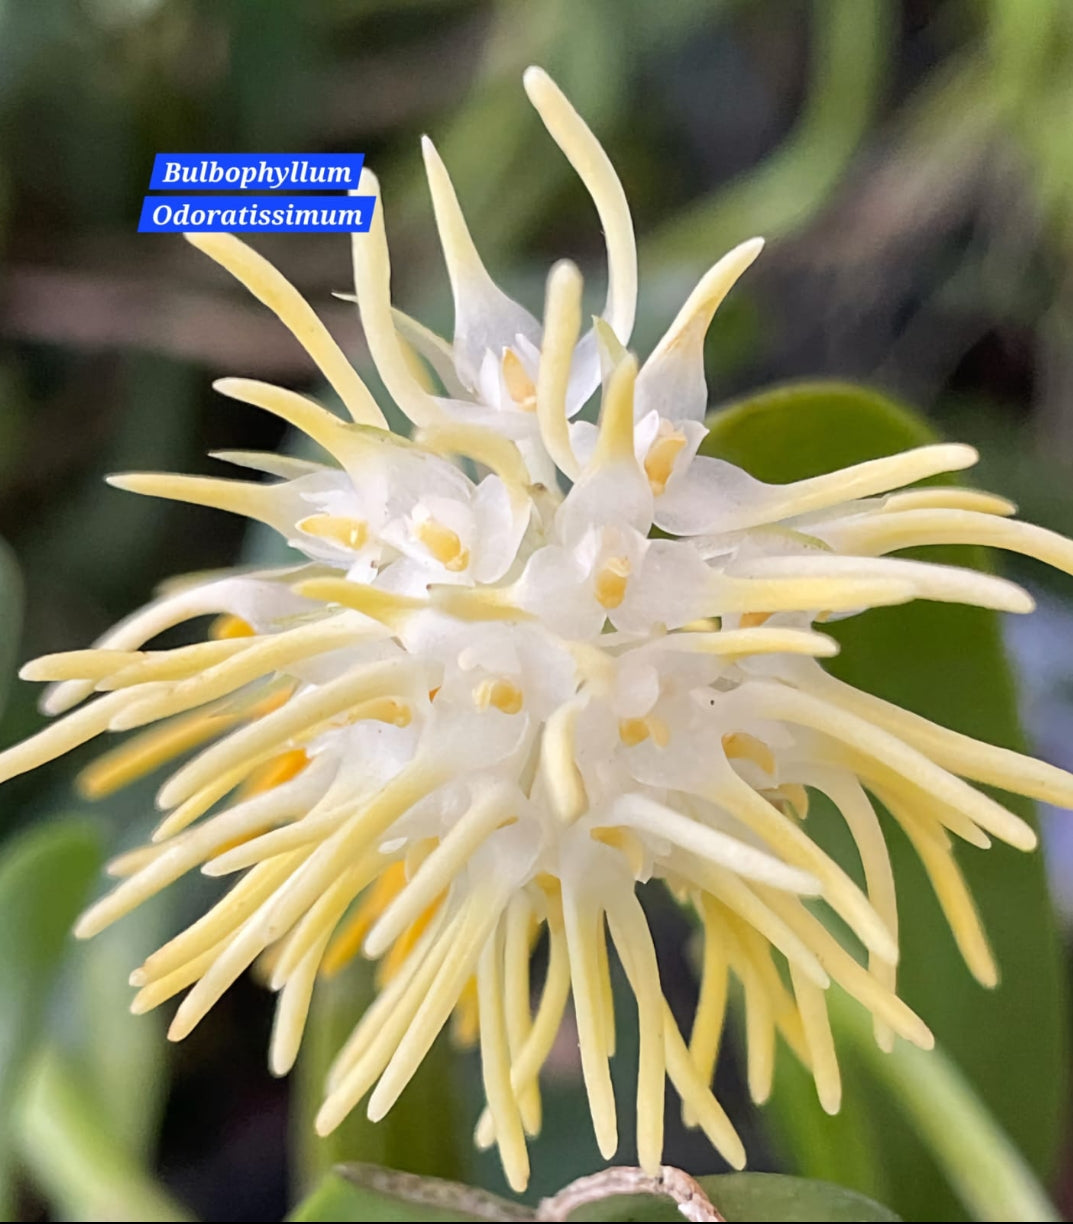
<point x="483" y="710"/>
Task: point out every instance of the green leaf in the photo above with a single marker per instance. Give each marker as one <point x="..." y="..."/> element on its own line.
<point x="847" y="1148"/>
<point x="367" y="1192"/>
<point x="747" y="1196"/>
<point x="364" y="1192"/>
<point x="121" y="1058"/>
<point x="45" y="874"/>
<point x="990" y="1175"/>
<point x="850" y="43"/>
<point x="102" y="539"/>
<point x="772" y="1196"/>
<point x="948" y="663"/>
<point x="83" y="1169"/>
<point x="422" y="1133"/>
<point x="10" y="617"/>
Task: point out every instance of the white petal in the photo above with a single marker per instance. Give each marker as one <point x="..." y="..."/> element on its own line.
<point x="500" y="523"/>
<point x="672" y="588"/>
<point x="711" y="495"/>
<point x="372" y="284"/>
<point x="557" y="588"/>
<point x="671" y="381"/>
<point x="593" y="167"/>
<point x="434" y="349"/>
<point x="486" y="319"/>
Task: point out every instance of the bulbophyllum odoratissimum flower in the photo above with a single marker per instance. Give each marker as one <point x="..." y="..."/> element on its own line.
<point x="483" y="710"/>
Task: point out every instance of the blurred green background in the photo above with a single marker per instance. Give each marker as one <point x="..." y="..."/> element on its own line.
<point x="911" y="164"/>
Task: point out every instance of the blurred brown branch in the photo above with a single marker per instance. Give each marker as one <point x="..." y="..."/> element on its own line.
<point x="93" y="310"/>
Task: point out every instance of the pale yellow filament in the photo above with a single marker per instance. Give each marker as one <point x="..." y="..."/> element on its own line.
<point x="270" y="286"/>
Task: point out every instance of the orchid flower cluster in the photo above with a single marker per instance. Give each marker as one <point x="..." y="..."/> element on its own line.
<point x="527" y="664"/>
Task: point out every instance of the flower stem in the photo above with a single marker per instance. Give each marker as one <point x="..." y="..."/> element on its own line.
<point x="986" y="1171"/>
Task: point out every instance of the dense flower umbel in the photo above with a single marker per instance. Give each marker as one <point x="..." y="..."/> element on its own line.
<point x="484" y="710"/>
